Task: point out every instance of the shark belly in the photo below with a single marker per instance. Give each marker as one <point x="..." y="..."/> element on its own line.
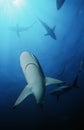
<point x="36" y="81"/>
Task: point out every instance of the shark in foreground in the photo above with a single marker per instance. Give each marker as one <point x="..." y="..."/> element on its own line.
<point x="36" y="81"/>
<point x="59" y="3"/>
<point x="18" y="29"/>
<point x="50" y="31"/>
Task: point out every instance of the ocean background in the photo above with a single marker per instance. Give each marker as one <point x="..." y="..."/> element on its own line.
<point x="67" y="50"/>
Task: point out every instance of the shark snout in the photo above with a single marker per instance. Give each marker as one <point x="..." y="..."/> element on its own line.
<point x="25" y="54"/>
<point x="24" y="59"/>
<point x="27" y="58"/>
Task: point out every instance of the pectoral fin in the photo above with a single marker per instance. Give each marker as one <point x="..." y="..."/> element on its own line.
<point x="26" y="92"/>
<point x="49" y="81"/>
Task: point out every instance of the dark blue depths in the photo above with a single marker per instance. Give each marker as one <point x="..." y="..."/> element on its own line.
<point x="60" y="58"/>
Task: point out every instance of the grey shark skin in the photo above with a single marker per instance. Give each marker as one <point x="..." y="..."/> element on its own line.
<point x="18" y="29"/>
<point x="59" y="3"/>
<point x="36" y="81"/>
<point x="50" y="31"/>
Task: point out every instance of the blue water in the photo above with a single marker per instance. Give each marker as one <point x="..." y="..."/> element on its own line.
<point x="68" y="50"/>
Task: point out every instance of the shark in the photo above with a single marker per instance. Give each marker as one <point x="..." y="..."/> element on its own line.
<point x="65" y="88"/>
<point x="50" y="31"/>
<point x="35" y="78"/>
<point x="18" y="29"/>
<point x="59" y="3"/>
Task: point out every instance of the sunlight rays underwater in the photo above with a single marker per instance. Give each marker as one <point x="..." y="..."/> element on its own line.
<point x="55" y="56"/>
<point x="25" y="13"/>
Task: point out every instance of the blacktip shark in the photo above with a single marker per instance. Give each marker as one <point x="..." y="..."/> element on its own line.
<point x="36" y="81"/>
<point x="18" y="29"/>
<point x="50" y="31"/>
<point x="59" y="3"/>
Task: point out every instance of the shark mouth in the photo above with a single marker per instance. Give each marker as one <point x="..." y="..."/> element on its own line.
<point x="27" y="65"/>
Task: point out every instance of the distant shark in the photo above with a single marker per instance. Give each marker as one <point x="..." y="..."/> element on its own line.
<point x="59" y="3"/>
<point x="18" y="29"/>
<point x="50" y="31"/>
<point x="36" y="81"/>
<point x="65" y="88"/>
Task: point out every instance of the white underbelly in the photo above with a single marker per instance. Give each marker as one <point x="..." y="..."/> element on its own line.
<point x="35" y="79"/>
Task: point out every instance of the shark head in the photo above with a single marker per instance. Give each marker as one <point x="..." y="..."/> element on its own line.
<point x="36" y="81"/>
<point x="27" y="58"/>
